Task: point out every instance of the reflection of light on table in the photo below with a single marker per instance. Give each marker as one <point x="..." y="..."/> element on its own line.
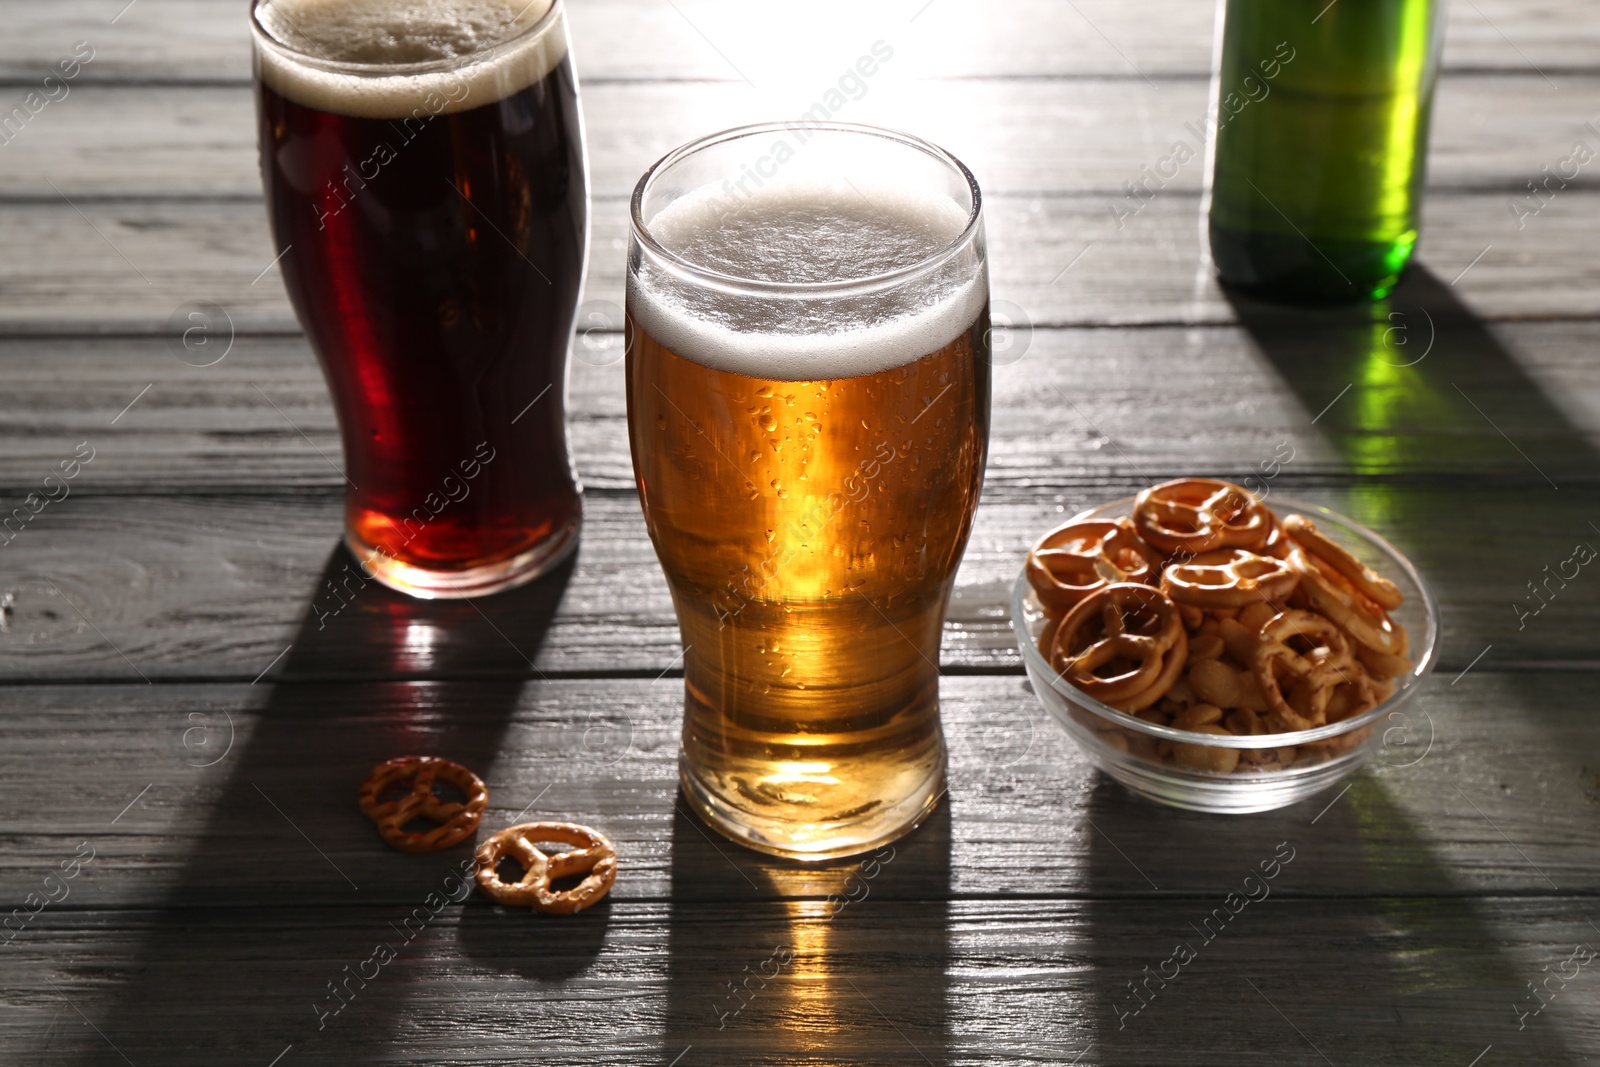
<point x="1390" y="395"/>
<point x="811" y="991"/>
<point x="417" y="645"/>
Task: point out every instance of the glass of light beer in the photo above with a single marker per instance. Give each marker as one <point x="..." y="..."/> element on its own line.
<point x="808" y="407"/>
<point x="425" y="177"/>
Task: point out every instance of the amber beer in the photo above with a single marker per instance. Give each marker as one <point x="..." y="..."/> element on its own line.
<point x="809" y="459"/>
<point x="424" y="173"/>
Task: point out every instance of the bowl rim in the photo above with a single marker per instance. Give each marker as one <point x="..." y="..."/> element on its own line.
<point x="1022" y="592"/>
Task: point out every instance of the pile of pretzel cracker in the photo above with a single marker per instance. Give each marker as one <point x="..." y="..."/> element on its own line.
<point x="1208" y="613"/>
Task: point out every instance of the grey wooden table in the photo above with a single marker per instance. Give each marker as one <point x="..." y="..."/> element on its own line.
<point x="184" y="717"/>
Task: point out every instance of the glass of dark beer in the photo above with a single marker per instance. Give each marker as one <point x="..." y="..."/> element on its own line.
<point x="425" y="177"/>
<point x="808" y="407"/>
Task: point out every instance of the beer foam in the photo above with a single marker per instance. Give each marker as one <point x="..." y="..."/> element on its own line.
<point x="480" y="49"/>
<point x="809" y="232"/>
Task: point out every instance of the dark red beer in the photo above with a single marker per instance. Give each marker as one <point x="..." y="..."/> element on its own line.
<point x="434" y="248"/>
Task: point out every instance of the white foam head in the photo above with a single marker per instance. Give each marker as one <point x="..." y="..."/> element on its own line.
<point x="476" y="51"/>
<point x="810" y="229"/>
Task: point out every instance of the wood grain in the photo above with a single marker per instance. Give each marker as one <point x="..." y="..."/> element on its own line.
<point x="1005" y="930"/>
<point x="1072" y="406"/>
<point x="1083" y="136"/>
<point x="1030" y="982"/>
<point x="173" y="587"/>
<point x="198" y="541"/>
<point x="181" y="691"/>
<point x="208" y="40"/>
<point x="1060" y="259"/>
<point x="1489" y="788"/>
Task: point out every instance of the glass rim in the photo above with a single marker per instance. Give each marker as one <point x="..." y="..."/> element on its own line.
<point x="1022" y="591"/>
<point x="711" y="278"/>
<point x="356" y="69"/>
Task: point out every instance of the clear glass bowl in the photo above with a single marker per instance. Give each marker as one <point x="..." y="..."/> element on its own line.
<point x="1128" y="749"/>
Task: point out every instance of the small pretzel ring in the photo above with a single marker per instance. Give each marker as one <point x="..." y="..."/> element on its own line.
<point x="592" y="854"/>
<point x="1138" y="625"/>
<point x="1228" y="578"/>
<point x="1083" y="557"/>
<point x="457" y="821"/>
<point x="1276" y="543"/>
<point x="1175" y="658"/>
<point x="1194" y="515"/>
<point x="1324" y="666"/>
<point x="1373" y="586"/>
<point x="1330" y="593"/>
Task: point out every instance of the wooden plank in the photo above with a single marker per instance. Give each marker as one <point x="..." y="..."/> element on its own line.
<point x="1008" y="929"/>
<point x="1488" y="789"/>
<point x="208" y="40"/>
<point x="1069" y="405"/>
<point x="1037" y="982"/>
<point x="176" y="587"/>
<point x="1087" y="137"/>
<point x="1387" y="882"/>
<point x="1061" y="260"/>
<point x="215" y="581"/>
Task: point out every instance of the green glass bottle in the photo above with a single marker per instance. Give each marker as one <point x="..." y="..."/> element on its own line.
<point x="1321" y="139"/>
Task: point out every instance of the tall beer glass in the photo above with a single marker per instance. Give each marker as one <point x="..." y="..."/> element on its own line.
<point x="808" y="406"/>
<point x="425" y="177"/>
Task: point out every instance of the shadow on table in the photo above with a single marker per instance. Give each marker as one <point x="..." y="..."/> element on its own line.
<point x="1363" y="945"/>
<point x="270" y="936"/>
<point x="1422" y="363"/>
<point x="537" y="948"/>
<point x="1345" y="940"/>
<point x="773" y="962"/>
<point x="1441" y="428"/>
